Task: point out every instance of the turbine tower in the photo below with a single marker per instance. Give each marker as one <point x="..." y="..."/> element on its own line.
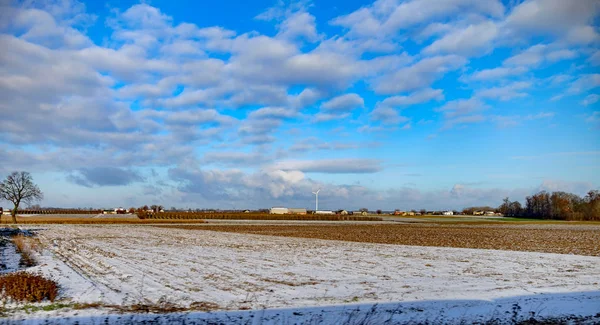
<point x="316" y="200"/>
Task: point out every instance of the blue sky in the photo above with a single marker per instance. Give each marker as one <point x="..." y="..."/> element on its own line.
<point x="386" y="104"/>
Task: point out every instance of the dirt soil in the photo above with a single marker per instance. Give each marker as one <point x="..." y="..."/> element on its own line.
<point x="578" y="240"/>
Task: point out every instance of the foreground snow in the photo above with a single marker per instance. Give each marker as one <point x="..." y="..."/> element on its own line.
<point x="128" y="265"/>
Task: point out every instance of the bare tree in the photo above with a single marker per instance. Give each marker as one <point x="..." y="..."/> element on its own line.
<point x="19" y="187"/>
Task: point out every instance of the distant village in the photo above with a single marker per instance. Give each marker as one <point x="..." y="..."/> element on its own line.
<point x="284" y="210"/>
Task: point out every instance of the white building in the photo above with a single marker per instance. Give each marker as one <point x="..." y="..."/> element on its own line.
<point x="279" y="210"/>
<point x="448" y="213"/>
<point x="324" y="212"/>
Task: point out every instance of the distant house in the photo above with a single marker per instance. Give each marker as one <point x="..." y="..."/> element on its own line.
<point x="490" y="213"/>
<point x="478" y="213"/>
<point x="448" y="213"/>
<point x="410" y="213"/>
<point x="246" y="211"/>
<point x="297" y="211"/>
<point x="361" y="213"/>
<point x="399" y="213"/>
<point x="279" y="210"/>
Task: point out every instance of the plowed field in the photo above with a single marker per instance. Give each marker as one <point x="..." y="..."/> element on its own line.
<point x="579" y="239"/>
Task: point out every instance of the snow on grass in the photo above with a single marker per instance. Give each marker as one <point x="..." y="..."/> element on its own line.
<point x="129" y="265"/>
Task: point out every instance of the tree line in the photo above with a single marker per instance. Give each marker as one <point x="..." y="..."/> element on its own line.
<point x="555" y="205"/>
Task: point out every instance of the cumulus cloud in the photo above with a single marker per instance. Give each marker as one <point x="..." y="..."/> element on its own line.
<point x="417" y="76"/>
<point x="475" y="39"/>
<point x="510" y="91"/>
<point x="496" y="73"/>
<point x="346" y="102"/>
<point x="417" y="97"/>
<point x="539" y="53"/>
<point x="554" y="17"/>
<point x="387" y="115"/>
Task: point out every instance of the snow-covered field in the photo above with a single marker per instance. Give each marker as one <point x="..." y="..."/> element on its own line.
<point x="129" y="265"/>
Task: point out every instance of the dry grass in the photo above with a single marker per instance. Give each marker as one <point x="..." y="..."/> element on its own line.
<point x="87" y="221"/>
<point x="27" y="287"/>
<point x="24" y="247"/>
<point x="580" y="240"/>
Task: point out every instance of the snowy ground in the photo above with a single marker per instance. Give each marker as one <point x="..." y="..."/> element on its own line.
<point x="128" y="265"/>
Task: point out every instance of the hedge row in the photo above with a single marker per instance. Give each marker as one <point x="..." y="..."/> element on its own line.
<point x="69" y="211"/>
<point x="256" y="216"/>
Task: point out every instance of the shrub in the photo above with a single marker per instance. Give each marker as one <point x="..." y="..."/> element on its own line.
<point x="27" y="287"/>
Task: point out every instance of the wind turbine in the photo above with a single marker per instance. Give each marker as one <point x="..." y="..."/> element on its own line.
<point x="317" y="200"/>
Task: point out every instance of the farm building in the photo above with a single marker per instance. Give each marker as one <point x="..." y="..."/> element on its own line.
<point x="324" y="212"/>
<point x="490" y="213"/>
<point x="297" y="211"/>
<point x="279" y="210"/>
<point x="360" y="213"/>
<point x="478" y="213"/>
<point x="448" y="213"/>
<point x="342" y="212"/>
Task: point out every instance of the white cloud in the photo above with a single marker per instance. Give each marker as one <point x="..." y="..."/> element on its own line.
<point x="584" y="83"/>
<point x="387" y="115"/>
<point x="461" y="107"/>
<point x="460" y="120"/>
<point x="566" y="19"/>
<point x="595" y="58"/>
<point x="334" y="166"/>
<point x="327" y="117"/>
<point x="475" y="39"/>
<point x="533" y="56"/>
<point x="418" y="75"/>
<point x="388" y="17"/>
<point x="417" y="97"/>
<point x="510" y="91"/>
<point x="560" y="55"/>
<point x="346" y="102"/>
<point x="496" y="73"/>
<point x="590" y="99"/>
<point x="274" y="112"/>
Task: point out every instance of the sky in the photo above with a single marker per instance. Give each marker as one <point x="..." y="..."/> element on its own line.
<point x="229" y="104"/>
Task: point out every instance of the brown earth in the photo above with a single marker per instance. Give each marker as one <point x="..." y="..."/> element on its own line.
<point x="579" y="239"/>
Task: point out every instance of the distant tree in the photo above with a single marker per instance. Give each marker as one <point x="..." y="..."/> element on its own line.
<point x="591" y="209"/>
<point x="423" y="211"/>
<point x="154" y="208"/>
<point x="505" y="206"/>
<point x="363" y="210"/>
<point x="19" y="187"/>
<point x="131" y="210"/>
<point x="159" y="208"/>
<point x="379" y="211"/>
